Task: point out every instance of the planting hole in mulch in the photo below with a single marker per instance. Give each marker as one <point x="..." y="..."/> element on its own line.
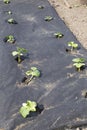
<point x="69" y="50"/>
<point x="22" y="58"/>
<point x="81" y="69"/>
<point x="39" y="109"/>
<point x="26" y="80"/>
<point x="84" y="93"/>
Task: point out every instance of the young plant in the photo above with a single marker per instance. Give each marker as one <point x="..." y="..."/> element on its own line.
<point x="29" y="106"/>
<point x="6" y="1"/>
<point x="11" y="21"/>
<point x="79" y="63"/>
<point x="40" y="7"/>
<point x="10" y="39"/>
<point x="9" y="12"/>
<point x="48" y="18"/>
<point x="19" y="52"/>
<point x="73" y="45"/>
<point x="33" y="72"/>
<point x="79" y="60"/>
<point x="58" y="35"/>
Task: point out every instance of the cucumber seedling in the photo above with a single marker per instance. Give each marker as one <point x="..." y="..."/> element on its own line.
<point x="29" y="106"/>
<point x="19" y="53"/>
<point x="58" y="35"/>
<point x="40" y="7"/>
<point x="48" y="18"/>
<point x="9" y="12"/>
<point x="6" y="1"/>
<point x="11" y="21"/>
<point x="32" y="73"/>
<point x="73" y="46"/>
<point x="79" y="63"/>
<point x="9" y="39"/>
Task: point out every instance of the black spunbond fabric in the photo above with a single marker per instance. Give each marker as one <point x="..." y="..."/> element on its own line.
<point x="60" y="87"/>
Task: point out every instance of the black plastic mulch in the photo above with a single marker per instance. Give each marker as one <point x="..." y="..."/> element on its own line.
<point x="60" y="87"/>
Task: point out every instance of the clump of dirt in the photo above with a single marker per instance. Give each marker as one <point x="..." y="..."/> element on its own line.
<point x="75" y="17"/>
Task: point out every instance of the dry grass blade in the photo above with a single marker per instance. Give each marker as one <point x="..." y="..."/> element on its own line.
<point x="67" y="4"/>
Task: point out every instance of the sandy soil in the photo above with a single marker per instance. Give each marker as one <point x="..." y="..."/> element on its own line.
<point x="75" y="17"/>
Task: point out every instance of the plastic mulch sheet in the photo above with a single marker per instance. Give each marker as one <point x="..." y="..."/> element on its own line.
<point x="60" y="89"/>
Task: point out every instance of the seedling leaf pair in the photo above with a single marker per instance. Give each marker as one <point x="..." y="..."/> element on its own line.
<point x="33" y="72"/>
<point x="29" y="106"/>
<point x="11" y="21"/>
<point x="20" y="52"/>
<point x="9" y="12"/>
<point x="48" y="18"/>
<point x="78" y="63"/>
<point x="10" y="39"/>
<point x="6" y="1"/>
<point x="40" y="7"/>
<point x="73" y="45"/>
<point x="79" y="60"/>
<point x="58" y="35"/>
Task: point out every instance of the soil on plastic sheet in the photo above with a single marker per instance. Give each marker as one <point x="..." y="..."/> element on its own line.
<point x="75" y="17"/>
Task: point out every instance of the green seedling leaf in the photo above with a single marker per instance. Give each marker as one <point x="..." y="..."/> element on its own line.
<point x="6" y="1"/>
<point x="40" y="7"/>
<point x="78" y="65"/>
<point x="73" y="45"/>
<point x="19" y="52"/>
<point x="10" y="39"/>
<point x="48" y="18"/>
<point x="36" y="73"/>
<point x="33" y="72"/>
<point x="29" y="106"/>
<point x="33" y="68"/>
<point x="14" y="53"/>
<point x="79" y="60"/>
<point x="11" y="21"/>
<point x="58" y="35"/>
<point x="9" y="12"/>
<point x="24" y="111"/>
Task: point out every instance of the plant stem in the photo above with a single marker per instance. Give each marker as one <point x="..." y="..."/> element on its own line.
<point x="67" y="4"/>
<point x="71" y="48"/>
<point x="79" y="69"/>
<point x="28" y="80"/>
<point x="19" y="59"/>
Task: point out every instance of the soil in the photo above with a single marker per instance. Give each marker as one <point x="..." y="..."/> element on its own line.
<point x="75" y="17"/>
